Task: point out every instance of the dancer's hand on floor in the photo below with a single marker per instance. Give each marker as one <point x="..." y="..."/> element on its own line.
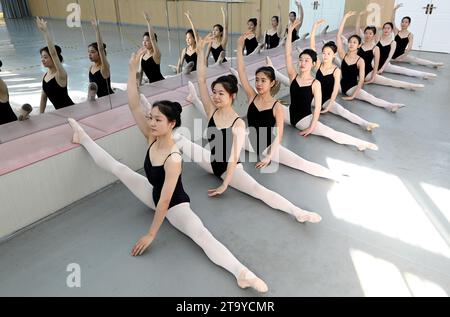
<point x="264" y="163"/>
<point x="328" y="109"/>
<point x="306" y="132"/>
<point x="348" y="98"/>
<point x="142" y="245"/>
<point x="370" y="81"/>
<point x="217" y="191"/>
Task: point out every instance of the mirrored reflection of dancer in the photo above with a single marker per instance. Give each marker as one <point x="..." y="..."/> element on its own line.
<point x="100" y="71"/>
<point x="7" y="114"/>
<point x="273" y="35"/>
<point x="189" y="53"/>
<point x="219" y="46"/>
<point x="151" y="61"/>
<point x="54" y="83"/>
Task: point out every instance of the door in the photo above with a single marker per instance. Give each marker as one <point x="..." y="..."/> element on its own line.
<point x="429" y="19"/>
<point x="312" y="10"/>
<point x="332" y="12"/>
<point x="438" y="24"/>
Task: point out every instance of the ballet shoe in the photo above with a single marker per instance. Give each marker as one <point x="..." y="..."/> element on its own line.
<point x="24" y="112"/>
<point x="306" y="216"/>
<point x="78" y="131"/>
<point x="430" y="76"/>
<point x="92" y="91"/>
<point x="187" y="69"/>
<point x="325" y="30"/>
<point x="192" y="92"/>
<point x="145" y="104"/>
<point x="416" y="87"/>
<point x="396" y="107"/>
<point x="372" y="126"/>
<point x="236" y="74"/>
<point x="269" y="62"/>
<point x="256" y="283"/>
<point x="173" y="68"/>
<point x="221" y="58"/>
<point x="369" y="146"/>
<point x="304" y="36"/>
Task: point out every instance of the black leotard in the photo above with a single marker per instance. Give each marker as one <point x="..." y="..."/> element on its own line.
<point x="261" y="127"/>
<point x="402" y="44"/>
<point x="384" y="53"/>
<point x="7" y="115"/>
<point x="221" y="143"/>
<point x="272" y="41"/>
<point x="301" y="100"/>
<point x="104" y="85"/>
<point x="216" y="53"/>
<point x="151" y="70"/>
<point x="58" y="95"/>
<point x="251" y="45"/>
<point x="350" y="75"/>
<point x="191" y="58"/>
<point x="327" y="83"/>
<point x="368" y="57"/>
<point x="295" y="36"/>
<point x="156" y="176"/>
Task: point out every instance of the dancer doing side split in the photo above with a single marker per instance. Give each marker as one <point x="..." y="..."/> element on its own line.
<point x="163" y="190"/>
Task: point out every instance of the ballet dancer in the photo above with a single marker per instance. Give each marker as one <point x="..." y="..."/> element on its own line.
<point x="55" y="81"/>
<point x="387" y="48"/>
<point x="303" y="90"/>
<point x="353" y="70"/>
<point x="151" y="61"/>
<point x="273" y="35"/>
<point x="163" y="190"/>
<point x="329" y="76"/>
<point x="7" y="114"/>
<point x="100" y="71"/>
<point x="226" y="137"/>
<point x="405" y="42"/>
<point x="219" y="46"/>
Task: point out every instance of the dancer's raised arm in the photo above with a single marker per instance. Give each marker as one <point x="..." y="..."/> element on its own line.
<point x="156" y="52"/>
<point x="225" y="29"/>
<point x="339" y="43"/>
<point x="394" y="13"/>
<point x="312" y="41"/>
<point x="105" y="70"/>
<point x="290" y="67"/>
<point x="61" y="75"/>
<point x="201" y="75"/>
<point x="133" y="95"/>
<point x="241" y="68"/>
